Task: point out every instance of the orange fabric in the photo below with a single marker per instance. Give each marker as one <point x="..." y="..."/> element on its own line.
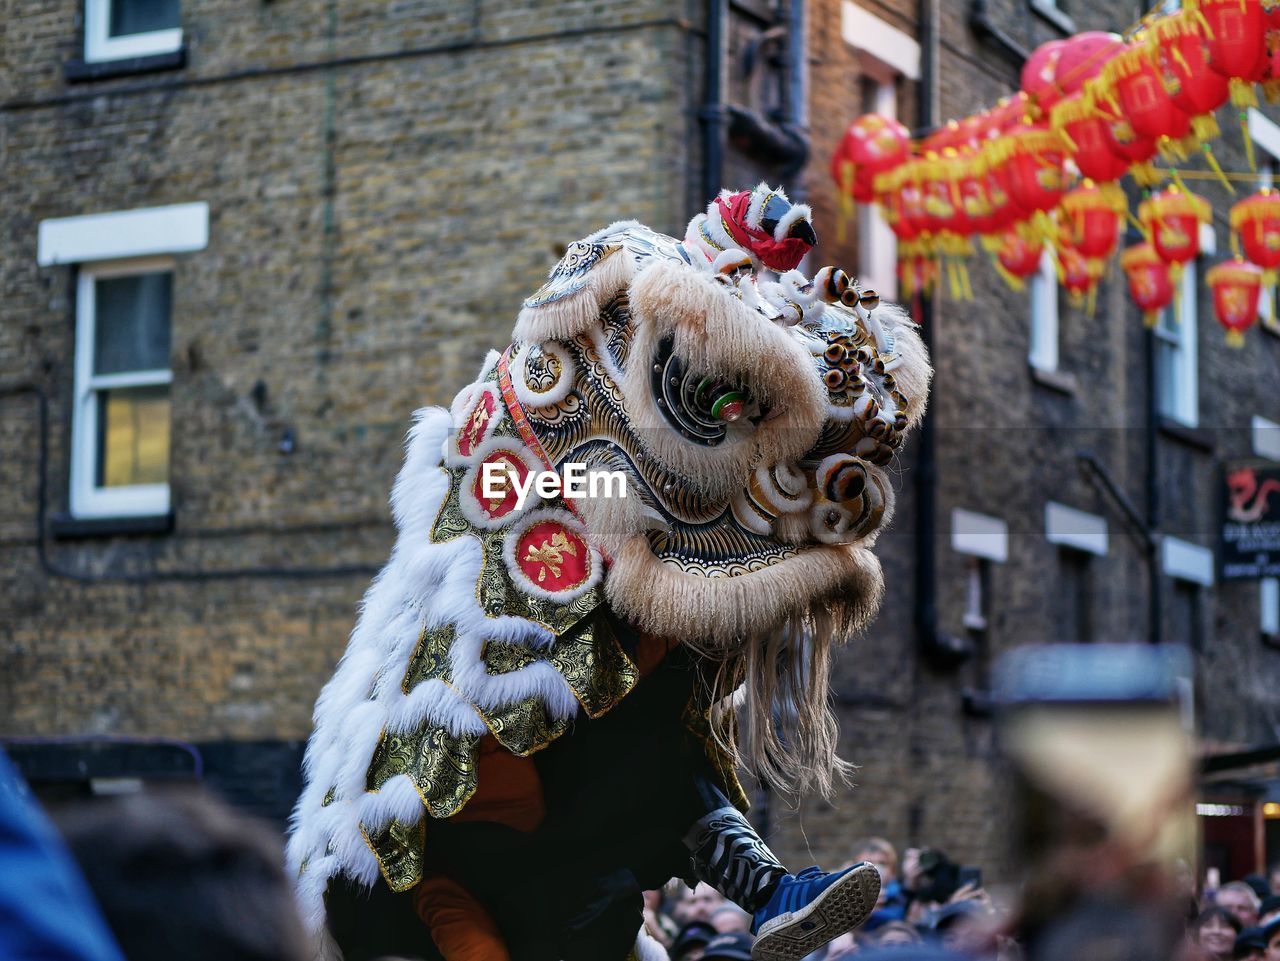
<point x="460" y="926"/>
<point x="508" y="789"/>
<point x="650" y="650"/>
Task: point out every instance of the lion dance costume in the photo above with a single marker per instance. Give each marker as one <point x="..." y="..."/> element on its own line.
<point x="537" y="716"/>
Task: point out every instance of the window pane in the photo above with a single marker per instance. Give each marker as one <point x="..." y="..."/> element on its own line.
<point x="1168" y="383"/>
<point x="133" y="436"/>
<point x="142" y="16"/>
<point x="132" y="323"/>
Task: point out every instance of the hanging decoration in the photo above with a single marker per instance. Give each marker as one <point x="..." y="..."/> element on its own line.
<point x="1171" y="219"/>
<point x="1150" y="285"/>
<point x="1018" y="256"/>
<point x="1255" y="221"/>
<point x="1237" y="290"/>
<point x="1040" y="169"/>
<point x="1234" y="32"/>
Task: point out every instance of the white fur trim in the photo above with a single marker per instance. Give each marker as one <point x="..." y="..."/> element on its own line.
<point x="471" y="507"/>
<point x="760" y="196"/>
<point x="797" y="213"/>
<point x="524" y="582"/>
<point x="558" y="391"/>
<point x="492" y="692"/>
<point x="424" y="585"/>
<point x="564" y="319"/>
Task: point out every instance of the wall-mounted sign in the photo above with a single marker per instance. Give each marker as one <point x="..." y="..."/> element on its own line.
<point x="1251" y="521"/>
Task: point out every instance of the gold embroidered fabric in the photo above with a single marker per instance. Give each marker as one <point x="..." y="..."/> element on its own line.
<point x="399" y="850"/>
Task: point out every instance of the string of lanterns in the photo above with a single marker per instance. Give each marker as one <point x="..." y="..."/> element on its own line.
<point x="1040" y="169"/>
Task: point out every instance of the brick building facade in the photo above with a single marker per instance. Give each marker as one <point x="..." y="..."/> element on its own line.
<point x="359" y="196"/>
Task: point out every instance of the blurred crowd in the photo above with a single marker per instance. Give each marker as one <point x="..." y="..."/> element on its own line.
<point x="156" y="876"/>
<point x="942" y="909"/>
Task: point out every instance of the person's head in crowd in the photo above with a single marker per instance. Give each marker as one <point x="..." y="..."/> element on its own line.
<point x="1251" y="945"/>
<point x="182" y="875"/>
<point x="732" y="946"/>
<point x="1214" y="932"/>
<point x="690" y="941"/>
<point x="897" y="932"/>
<point x="1273" y="877"/>
<point x="1261" y="886"/>
<point x="880" y="853"/>
<point x="845" y="946"/>
<point x="1269" y="909"/>
<point x="1241" y="900"/>
<point x="961" y="925"/>
<point x="701" y="902"/>
<point x="1271" y="934"/>
<point x="729" y="918"/>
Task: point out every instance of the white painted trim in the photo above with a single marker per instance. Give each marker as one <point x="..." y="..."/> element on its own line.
<point x="1070" y="527"/>
<point x="99" y="45"/>
<point x="1186" y="561"/>
<point x="980" y="535"/>
<point x="1043" y="351"/>
<point x="86" y="499"/>
<point x="1269" y="605"/>
<point x="1266" y="438"/>
<point x="1264" y="131"/>
<point x="1185" y="405"/>
<point x="877" y="243"/>
<point x="175" y="229"/>
<point x="880" y="41"/>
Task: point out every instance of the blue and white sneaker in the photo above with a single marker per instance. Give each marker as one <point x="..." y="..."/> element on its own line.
<point x="811" y="908"/>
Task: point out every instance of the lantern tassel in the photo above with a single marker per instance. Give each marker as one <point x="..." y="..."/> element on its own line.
<point x="1242" y="94"/>
<point x="1150" y="318"/>
<point x="1248" y="141"/>
<point x="1205" y="127"/>
<point x="1015" y="282"/>
<point x="1092" y="303"/>
<point x="1235" y="339"/>
<point x="1216" y="167"/>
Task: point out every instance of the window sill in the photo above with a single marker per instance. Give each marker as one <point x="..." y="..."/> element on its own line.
<point x="80" y="70"/>
<point x="1191" y="436"/>
<point x="1056" y="380"/>
<point x="66" y="527"/>
<point x="1049" y="11"/>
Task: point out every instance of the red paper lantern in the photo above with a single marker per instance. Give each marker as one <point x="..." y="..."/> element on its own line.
<point x="1184" y="66"/>
<point x="1235" y="35"/>
<point x="1256" y="221"/>
<point x="1237" y="289"/>
<point x="1084" y="126"/>
<point x="1150" y="285"/>
<point x="1078" y="274"/>
<point x="1172" y="220"/>
<point x="1039" y="75"/>
<point x="1136" y="91"/>
<point x="1018" y="256"/>
<point x="872" y="144"/>
<point x="1082" y="57"/>
<point x="1030" y="158"/>
<point x="1089" y="219"/>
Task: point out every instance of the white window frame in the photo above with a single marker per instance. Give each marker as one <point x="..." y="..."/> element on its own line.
<point x="1179" y="330"/>
<point x="99" y="45"/>
<point x="885" y="53"/>
<point x="1269" y="605"/>
<point x="1042" y="353"/>
<point x="87" y="499"/>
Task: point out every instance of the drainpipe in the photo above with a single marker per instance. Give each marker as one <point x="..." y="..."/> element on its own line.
<point x="797" y="91"/>
<point x="712" y="113"/>
<point x="926" y="472"/>
<point x="1155" y="619"/>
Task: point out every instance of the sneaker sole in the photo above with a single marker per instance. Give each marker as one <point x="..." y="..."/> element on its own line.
<point x="840" y="908"/>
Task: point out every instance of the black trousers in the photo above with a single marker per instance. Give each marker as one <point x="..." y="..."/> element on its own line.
<point x="621" y="792"/>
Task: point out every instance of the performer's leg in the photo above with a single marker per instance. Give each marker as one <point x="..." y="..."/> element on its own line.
<point x="792" y="915"/>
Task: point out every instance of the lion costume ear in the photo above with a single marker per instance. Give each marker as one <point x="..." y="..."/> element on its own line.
<point x="587" y="276"/>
